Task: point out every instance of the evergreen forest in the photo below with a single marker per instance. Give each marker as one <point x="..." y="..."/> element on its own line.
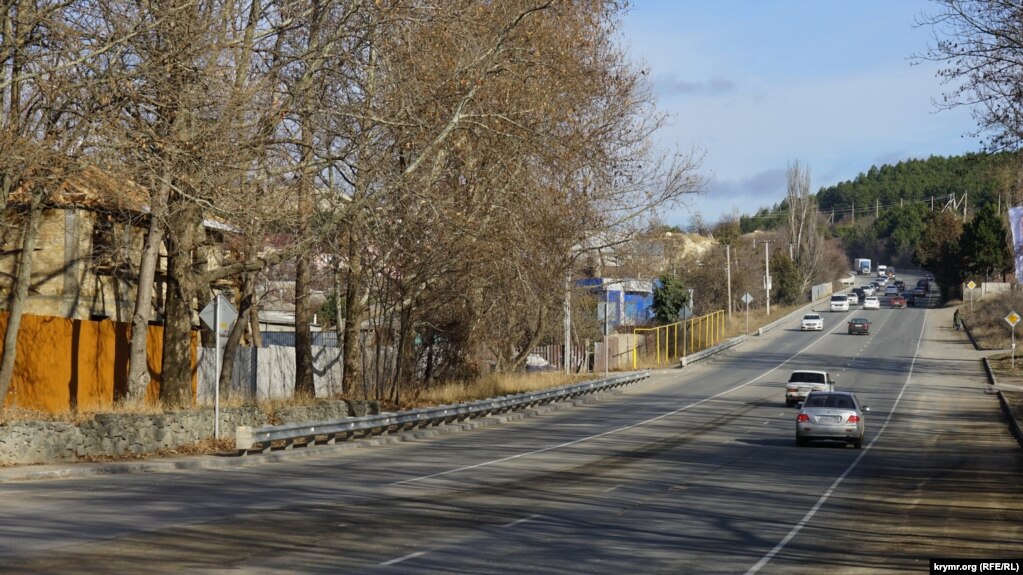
<point x="890" y="214"/>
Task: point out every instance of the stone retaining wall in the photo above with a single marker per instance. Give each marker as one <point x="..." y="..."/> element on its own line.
<point x="117" y="435"/>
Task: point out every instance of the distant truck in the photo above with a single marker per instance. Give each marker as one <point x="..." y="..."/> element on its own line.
<point x="863" y="266"/>
<point x="882" y="271"/>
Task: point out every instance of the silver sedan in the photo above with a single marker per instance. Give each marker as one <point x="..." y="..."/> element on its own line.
<point x="831" y="416"/>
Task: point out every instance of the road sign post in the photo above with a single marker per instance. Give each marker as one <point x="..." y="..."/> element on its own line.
<point x="218" y="315"/>
<point x="746" y="299"/>
<point x="1012" y="319"/>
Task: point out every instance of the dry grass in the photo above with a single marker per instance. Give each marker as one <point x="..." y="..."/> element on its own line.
<point x="986" y="321"/>
<point x="757" y="318"/>
<point x="19" y="415"/>
<point x="492" y="385"/>
<point x="989" y="329"/>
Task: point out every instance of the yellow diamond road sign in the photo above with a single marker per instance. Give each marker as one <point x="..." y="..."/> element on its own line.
<point x="971" y="285"/>
<point x="1012" y="318"/>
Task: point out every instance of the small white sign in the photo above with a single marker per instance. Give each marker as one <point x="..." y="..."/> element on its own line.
<point x="746" y="299"/>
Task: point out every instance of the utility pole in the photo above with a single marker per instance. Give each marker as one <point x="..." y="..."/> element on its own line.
<point x="767" y="277"/>
<point x="568" y="322"/>
<point x="728" y="275"/>
<point x="877" y="207"/>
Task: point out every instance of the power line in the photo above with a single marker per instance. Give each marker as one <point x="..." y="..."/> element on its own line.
<point x="839" y="213"/>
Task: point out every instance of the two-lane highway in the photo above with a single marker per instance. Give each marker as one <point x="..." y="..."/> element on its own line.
<point x="694" y="471"/>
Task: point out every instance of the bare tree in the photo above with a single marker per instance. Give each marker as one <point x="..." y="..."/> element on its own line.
<point x="193" y="87"/>
<point x="803" y="228"/>
<point x="981" y="41"/>
<point x="50" y="101"/>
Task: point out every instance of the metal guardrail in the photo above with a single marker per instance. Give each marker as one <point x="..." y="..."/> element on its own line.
<point x="687" y="359"/>
<point x="263" y="439"/>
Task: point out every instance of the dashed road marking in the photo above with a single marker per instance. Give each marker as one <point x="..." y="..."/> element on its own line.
<point x="518" y="521"/>
<point x="404" y="558"/>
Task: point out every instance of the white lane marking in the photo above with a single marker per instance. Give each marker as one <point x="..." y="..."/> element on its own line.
<point x="834" y="485"/>
<point x="405" y="558"/>
<point x="613" y="431"/>
<point x="610" y="489"/>
<point x="518" y="521"/>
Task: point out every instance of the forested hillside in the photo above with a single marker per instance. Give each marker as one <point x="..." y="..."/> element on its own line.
<point x="882" y="213"/>
<point x="979" y="176"/>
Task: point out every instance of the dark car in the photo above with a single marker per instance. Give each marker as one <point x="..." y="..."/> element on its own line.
<point x="897" y="301"/>
<point x="859" y="325"/>
<point x="901" y="285"/>
<point x="910" y="299"/>
<point x="860" y="294"/>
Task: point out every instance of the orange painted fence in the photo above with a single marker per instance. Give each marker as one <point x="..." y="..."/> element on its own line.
<point x="65" y="365"/>
<point x="664" y="345"/>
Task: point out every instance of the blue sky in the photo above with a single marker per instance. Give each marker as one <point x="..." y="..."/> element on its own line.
<point x="755" y="85"/>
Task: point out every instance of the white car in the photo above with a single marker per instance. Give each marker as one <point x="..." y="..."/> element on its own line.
<point x="812" y="322"/>
<point x="853" y="298"/>
<point x="891" y="290"/>
<point x="839" y="302"/>
<point x="871" y="302"/>
<point x="803" y="381"/>
<point x="868" y="289"/>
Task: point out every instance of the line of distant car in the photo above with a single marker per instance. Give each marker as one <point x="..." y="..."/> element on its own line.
<point x="898" y="297"/>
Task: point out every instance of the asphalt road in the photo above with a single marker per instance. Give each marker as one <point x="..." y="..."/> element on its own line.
<point x="693" y="471"/>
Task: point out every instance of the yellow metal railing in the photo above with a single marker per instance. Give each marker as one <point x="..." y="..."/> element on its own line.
<point x="665" y="344"/>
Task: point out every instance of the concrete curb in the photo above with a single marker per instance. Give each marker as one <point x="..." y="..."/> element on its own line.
<point x="687" y="359"/>
<point x="966" y="328"/>
<point x="1010" y="415"/>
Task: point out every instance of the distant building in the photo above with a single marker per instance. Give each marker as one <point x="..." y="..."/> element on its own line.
<point x="623" y="302"/>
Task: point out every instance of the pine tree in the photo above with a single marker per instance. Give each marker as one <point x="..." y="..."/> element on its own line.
<point x="669" y="298"/>
<point x="985" y="248"/>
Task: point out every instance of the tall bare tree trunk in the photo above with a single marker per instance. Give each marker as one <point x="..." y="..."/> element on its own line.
<point x="138" y="361"/>
<point x="16" y="304"/>
<point x="182" y="240"/>
<point x="354" y="306"/>
<point x="304" y="381"/>
<point x="235" y="337"/>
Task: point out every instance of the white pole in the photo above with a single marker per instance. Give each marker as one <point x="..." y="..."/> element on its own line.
<point x="767" y="278"/>
<point x="567" y="308"/>
<point x="747" y="317"/>
<point x="216" y="380"/>
<point x="606" y="319"/>
<point x="728" y="275"/>
<point x="1012" y="364"/>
